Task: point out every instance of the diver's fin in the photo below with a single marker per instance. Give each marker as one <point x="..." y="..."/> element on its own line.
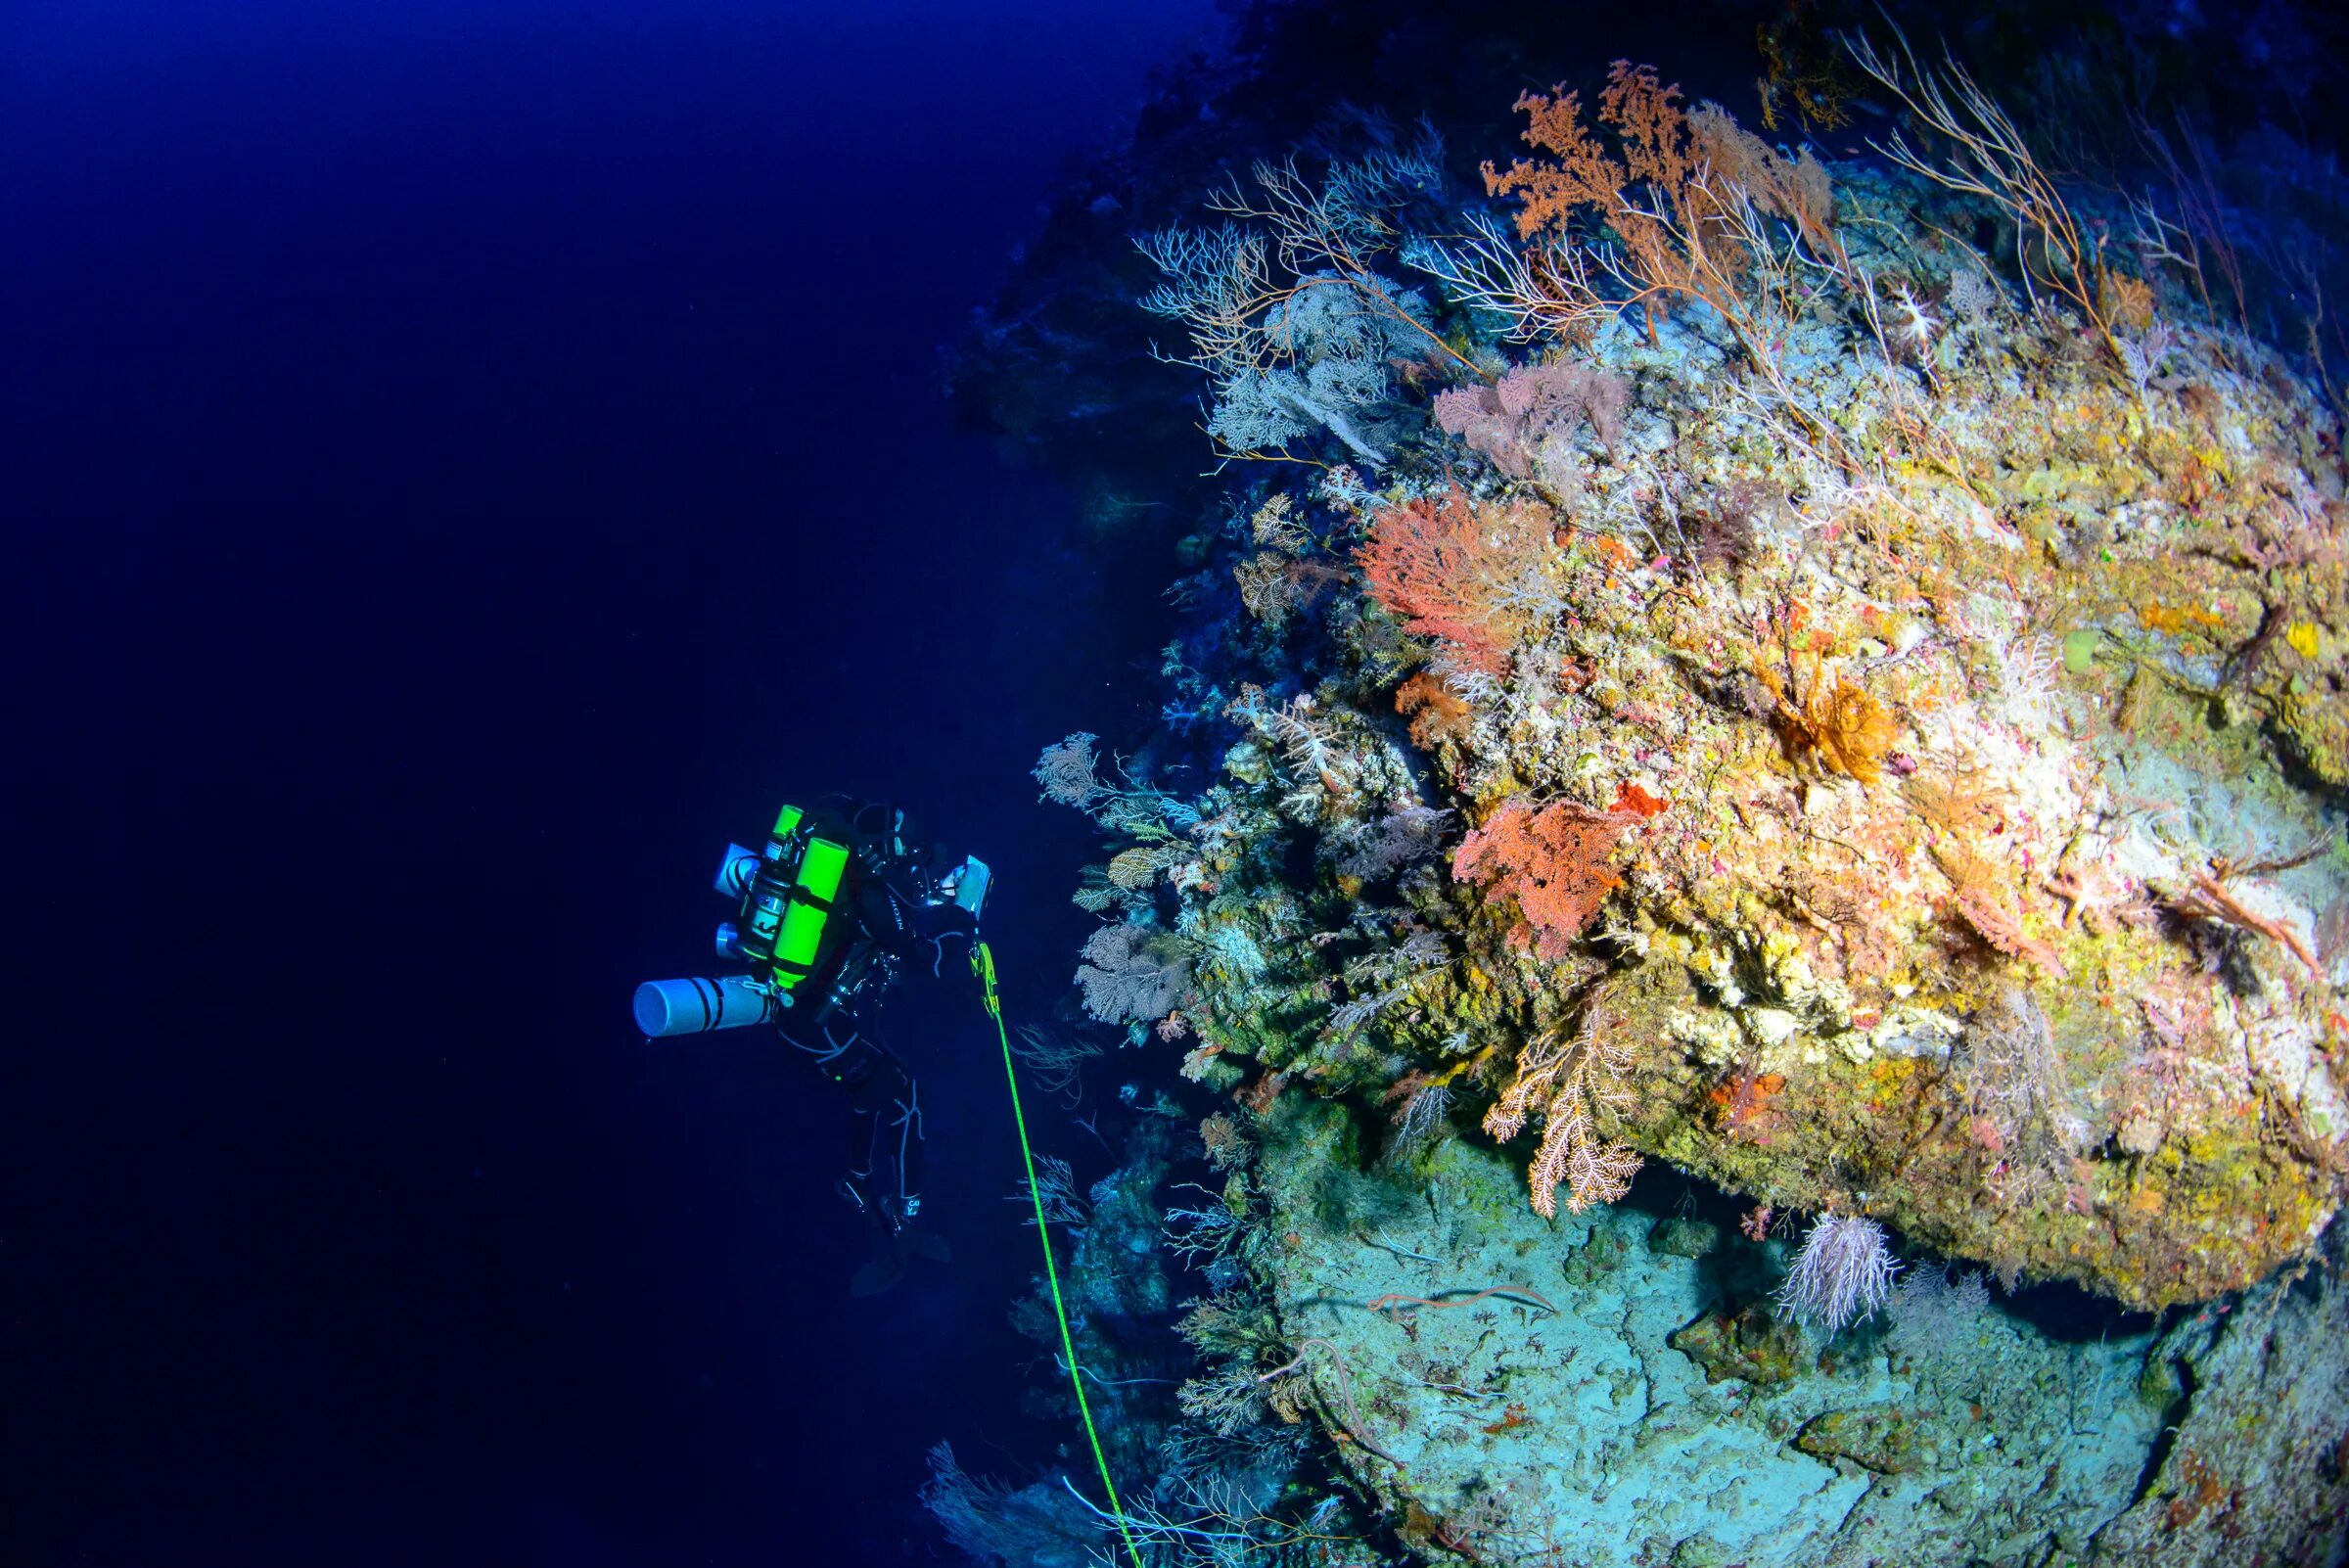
<point x="886" y="1269"/>
<point x="882" y="1273"/>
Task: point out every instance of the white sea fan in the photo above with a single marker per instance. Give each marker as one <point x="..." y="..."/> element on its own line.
<point x="1262" y="410"/>
<point x="1973" y="297"/>
<point x="2027" y="667"/>
<point x="2142" y="356"/>
<point x="1065" y="770"/>
<point x="1844" y="1272"/>
<point x="1386" y="845"/>
<point x="1123" y="982"/>
<point x="1423" y="1114"/>
<point x="1935" y="1319"/>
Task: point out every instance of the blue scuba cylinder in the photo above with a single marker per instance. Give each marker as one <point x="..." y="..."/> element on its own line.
<point x="695" y="1006"/>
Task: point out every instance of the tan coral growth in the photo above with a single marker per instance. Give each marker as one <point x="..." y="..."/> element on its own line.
<point x="1569" y="1082"/>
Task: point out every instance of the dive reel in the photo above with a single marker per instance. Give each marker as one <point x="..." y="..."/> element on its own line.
<point x="789" y="894"/>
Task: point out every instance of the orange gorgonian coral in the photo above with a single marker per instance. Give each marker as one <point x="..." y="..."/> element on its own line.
<point x="1555" y="863"/>
<point x="1454" y="569"/>
<point x="1436" y="714"/>
<point x="1836" y="720"/>
<point x="1675" y="197"/>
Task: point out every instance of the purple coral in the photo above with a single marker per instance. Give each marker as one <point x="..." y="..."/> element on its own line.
<point x="1843" y="1272"/>
<point x="1065" y="771"/>
<point x="1507" y="420"/>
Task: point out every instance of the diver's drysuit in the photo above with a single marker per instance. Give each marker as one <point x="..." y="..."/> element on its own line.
<point x="844" y="900"/>
<point x="902" y="916"/>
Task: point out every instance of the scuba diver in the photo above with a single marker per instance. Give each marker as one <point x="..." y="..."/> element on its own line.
<point x="844" y="900"/>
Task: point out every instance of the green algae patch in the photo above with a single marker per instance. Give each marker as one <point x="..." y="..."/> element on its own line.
<point x="1890" y="1441"/>
<point x="1753" y="1344"/>
<point x="1683" y="1238"/>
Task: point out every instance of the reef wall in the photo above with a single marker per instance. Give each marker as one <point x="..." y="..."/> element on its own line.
<point x="1818" y="678"/>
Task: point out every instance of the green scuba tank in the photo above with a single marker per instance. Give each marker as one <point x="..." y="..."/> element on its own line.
<point x="788" y="906"/>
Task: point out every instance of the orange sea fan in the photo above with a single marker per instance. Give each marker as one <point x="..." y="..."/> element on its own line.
<point x="1672" y="196"/>
<point x="1453" y="568"/>
<point x="1556" y="862"/>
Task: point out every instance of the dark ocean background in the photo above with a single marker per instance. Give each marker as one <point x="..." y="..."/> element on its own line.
<point x="462" y="464"/>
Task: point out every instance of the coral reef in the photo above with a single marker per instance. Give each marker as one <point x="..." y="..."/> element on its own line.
<point x="1816" y="686"/>
<point x="1916" y="747"/>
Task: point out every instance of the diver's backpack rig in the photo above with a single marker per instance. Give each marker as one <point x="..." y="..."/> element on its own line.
<point x="792" y="922"/>
<point x="789" y="895"/>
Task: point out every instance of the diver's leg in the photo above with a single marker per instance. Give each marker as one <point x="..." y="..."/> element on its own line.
<point x="866" y="1131"/>
<point x="887" y="1092"/>
<point x="845" y="1055"/>
<point x="908" y="1128"/>
<point x="901" y="1149"/>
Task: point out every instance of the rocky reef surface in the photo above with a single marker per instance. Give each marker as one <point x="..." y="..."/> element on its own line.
<point x="1613" y="1388"/>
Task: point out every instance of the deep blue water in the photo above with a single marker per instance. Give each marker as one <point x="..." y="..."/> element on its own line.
<point x="462" y="464"/>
